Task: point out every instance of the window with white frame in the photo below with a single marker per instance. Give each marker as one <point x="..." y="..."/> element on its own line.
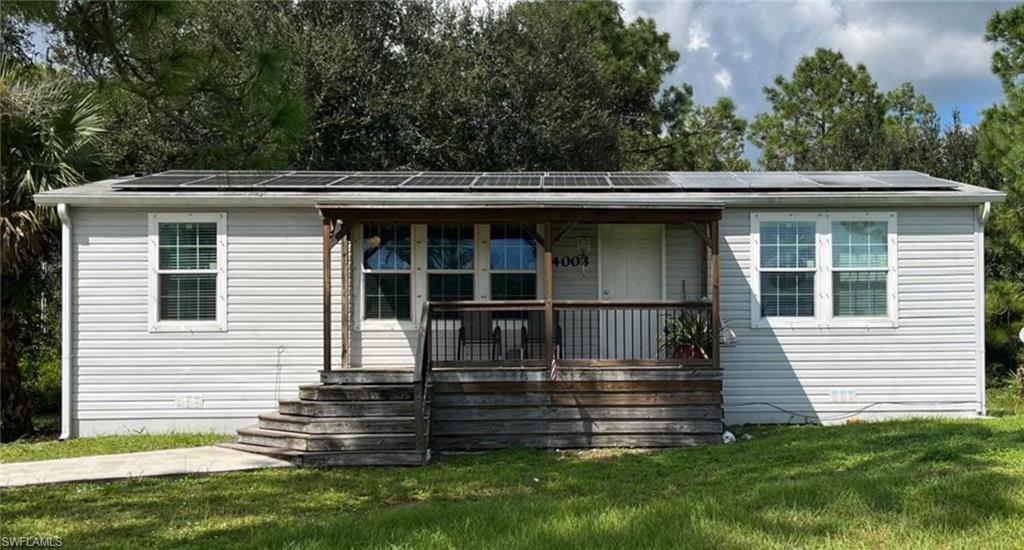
<point x="450" y="262"/>
<point x="513" y="264"/>
<point x="187" y="271"/>
<point x="788" y="265"/>
<point x="387" y="271"/>
<point x="824" y="269"/>
<point x="860" y="268"/>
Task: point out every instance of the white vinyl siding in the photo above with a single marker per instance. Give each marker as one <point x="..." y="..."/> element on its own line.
<point x="928" y="364"/>
<point x="126" y="377"/>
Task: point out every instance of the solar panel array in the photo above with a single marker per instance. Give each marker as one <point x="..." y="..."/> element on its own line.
<point x="182" y="180"/>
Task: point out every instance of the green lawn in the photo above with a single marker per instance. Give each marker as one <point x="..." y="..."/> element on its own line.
<point x="108" y="444"/>
<point x="897" y="484"/>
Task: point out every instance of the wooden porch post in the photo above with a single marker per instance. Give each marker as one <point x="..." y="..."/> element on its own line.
<point x="328" y="234"/>
<point x="715" y="306"/>
<point x="549" y="309"/>
<point x="345" y="264"/>
<point x="704" y="263"/>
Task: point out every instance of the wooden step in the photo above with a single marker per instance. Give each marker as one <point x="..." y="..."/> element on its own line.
<point x="337" y="425"/>
<point x="255" y="435"/>
<point x="320" y="409"/>
<point x="335" y="458"/>
<point x="367" y="376"/>
<point x="322" y="392"/>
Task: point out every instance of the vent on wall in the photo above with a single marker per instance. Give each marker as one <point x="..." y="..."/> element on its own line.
<point x="842" y="395"/>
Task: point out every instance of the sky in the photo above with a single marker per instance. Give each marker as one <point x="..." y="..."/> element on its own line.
<point x="736" y="48"/>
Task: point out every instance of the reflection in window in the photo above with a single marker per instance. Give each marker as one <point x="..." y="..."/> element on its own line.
<point x="787" y="264"/>
<point x="387" y="257"/>
<point x="513" y="264"/>
<point x="860" y="265"/>
<point x="450" y="261"/>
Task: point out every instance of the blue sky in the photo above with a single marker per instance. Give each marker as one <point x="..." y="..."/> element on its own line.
<point x="736" y="48"/>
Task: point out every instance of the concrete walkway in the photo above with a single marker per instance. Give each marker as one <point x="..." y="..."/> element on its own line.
<point x="194" y="460"/>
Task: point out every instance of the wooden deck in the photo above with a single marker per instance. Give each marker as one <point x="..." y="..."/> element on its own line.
<point x="359" y="417"/>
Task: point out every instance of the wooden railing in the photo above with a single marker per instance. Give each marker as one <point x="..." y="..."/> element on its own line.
<point x="420" y="378"/>
<point x="586" y="333"/>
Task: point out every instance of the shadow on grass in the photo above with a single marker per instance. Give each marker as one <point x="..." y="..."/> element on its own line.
<point x="885" y="484"/>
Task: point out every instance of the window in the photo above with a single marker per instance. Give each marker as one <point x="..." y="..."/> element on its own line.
<point x="387" y="274"/>
<point x="187" y="272"/>
<point x="788" y="266"/>
<point x="829" y="269"/>
<point x="513" y="264"/>
<point x="860" y="268"/>
<point x="450" y="260"/>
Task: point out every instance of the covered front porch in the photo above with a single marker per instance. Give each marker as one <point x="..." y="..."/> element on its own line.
<point x="629" y="359"/>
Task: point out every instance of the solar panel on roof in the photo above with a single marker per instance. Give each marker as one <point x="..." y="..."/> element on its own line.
<point x="231" y="181"/>
<point x="160" y="181"/>
<point x="857" y="181"/>
<point x="776" y="181"/>
<point x="576" y="181"/>
<point x="380" y="179"/>
<point x="642" y="180"/>
<point x="713" y="181"/>
<point x="442" y="180"/>
<point x="509" y="181"/>
<point x="304" y="180"/>
<point x="911" y="180"/>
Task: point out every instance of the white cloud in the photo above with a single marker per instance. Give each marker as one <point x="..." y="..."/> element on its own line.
<point x="698" y="38"/>
<point x="724" y="79"/>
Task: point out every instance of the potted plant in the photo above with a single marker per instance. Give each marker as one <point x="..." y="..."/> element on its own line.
<point x="687" y="336"/>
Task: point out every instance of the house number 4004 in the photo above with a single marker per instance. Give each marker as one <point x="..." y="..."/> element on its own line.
<point x="579" y="260"/>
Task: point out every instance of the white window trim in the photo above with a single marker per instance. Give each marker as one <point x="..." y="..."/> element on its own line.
<point x="218" y="325"/>
<point x="823" y="307"/>
<point x="372" y="323"/>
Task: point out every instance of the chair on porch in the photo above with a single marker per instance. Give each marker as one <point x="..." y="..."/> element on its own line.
<point x="532" y="333"/>
<point x="477" y="327"/>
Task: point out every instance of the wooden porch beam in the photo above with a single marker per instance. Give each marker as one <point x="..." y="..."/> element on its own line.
<point x="563" y="232"/>
<point x="702" y="233"/>
<point x="328" y="236"/>
<point x="549" y="304"/>
<point x="537" y="237"/>
<point x="525" y="214"/>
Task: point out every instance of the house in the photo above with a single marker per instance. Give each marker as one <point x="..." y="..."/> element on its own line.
<point x="421" y="310"/>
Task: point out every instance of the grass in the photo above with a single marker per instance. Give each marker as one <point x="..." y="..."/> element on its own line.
<point x="24" y="451"/>
<point x="905" y="484"/>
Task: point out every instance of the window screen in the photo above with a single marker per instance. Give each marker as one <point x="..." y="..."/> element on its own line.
<point x="187" y="271"/>
<point x="788" y="264"/>
<point x="860" y="264"/>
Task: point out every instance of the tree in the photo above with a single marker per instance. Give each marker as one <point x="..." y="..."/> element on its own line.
<point x="49" y="132"/>
<point x="694" y="137"/>
<point x="827" y="116"/>
<point x="911" y="132"/>
<point x="1002" y="144"/>
<point x="189" y="84"/>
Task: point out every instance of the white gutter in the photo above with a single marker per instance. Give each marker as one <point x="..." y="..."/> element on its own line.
<point x="984" y="212"/>
<point x="66" y="270"/>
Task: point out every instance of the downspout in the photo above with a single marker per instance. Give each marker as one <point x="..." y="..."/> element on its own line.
<point x="66" y="271"/>
<point x="984" y="211"/>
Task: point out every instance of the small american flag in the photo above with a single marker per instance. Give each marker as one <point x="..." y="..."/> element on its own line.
<point x="553" y="372"/>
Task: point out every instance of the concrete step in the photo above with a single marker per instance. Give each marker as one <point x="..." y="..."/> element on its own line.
<point x="320" y="409"/>
<point x="336" y="425"/>
<point x="367" y="376"/>
<point x="335" y="458"/>
<point x="367" y="392"/>
<point x="255" y="435"/>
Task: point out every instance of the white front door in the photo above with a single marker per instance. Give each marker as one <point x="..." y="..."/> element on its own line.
<point x="631" y="269"/>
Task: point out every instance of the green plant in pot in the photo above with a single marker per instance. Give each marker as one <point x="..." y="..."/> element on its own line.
<point x="687" y="336"/>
